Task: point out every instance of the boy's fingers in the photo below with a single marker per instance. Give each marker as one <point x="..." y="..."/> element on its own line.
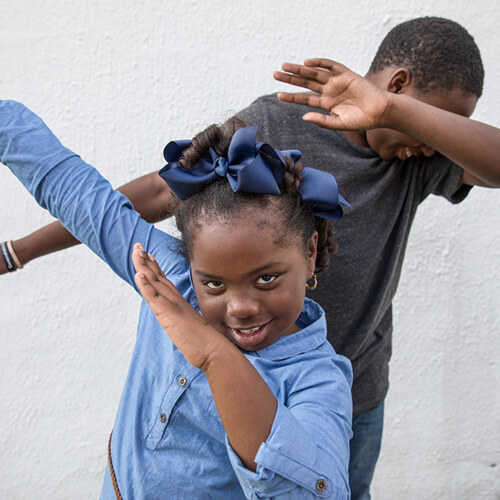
<point x="323" y="121"/>
<point x="320" y="62"/>
<point x="318" y="75"/>
<point x="298" y="81"/>
<point x="301" y="98"/>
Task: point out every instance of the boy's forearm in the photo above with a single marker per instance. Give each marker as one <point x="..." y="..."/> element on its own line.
<point x="46" y="240"/>
<point x="150" y="196"/>
<point x="245" y="403"/>
<point x="473" y="145"/>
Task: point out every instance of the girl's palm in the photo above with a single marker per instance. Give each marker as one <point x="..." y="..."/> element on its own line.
<point x="187" y="329"/>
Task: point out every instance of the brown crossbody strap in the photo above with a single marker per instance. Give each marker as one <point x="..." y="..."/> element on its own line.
<point x="112" y="471"/>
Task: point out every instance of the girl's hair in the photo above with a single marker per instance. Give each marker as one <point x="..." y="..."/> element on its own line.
<point x="218" y="202"/>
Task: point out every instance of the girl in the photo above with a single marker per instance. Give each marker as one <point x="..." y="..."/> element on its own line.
<point x="246" y="399"/>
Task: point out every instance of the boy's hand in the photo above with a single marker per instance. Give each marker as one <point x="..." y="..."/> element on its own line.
<point x="354" y="102"/>
<point x="187" y="329"/>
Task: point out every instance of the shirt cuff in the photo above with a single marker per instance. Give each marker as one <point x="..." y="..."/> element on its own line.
<point x="292" y="464"/>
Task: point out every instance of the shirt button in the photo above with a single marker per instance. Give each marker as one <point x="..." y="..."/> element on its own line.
<point x="163" y="418"/>
<point x="182" y="381"/>
<point x="321" y="486"/>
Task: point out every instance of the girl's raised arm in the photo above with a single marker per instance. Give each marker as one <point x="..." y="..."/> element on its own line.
<point x="149" y="195"/>
<point x="73" y="191"/>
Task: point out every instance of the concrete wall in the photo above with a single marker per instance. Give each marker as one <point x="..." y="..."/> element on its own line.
<point x="116" y="80"/>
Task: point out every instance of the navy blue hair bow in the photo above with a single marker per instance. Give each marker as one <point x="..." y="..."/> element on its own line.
<point x="250" y="167"/>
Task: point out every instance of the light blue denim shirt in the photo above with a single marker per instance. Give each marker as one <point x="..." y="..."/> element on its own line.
<point x="168" y="440"/>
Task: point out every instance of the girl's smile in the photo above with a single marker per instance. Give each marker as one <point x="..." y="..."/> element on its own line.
<point x="248" y="287"/>
<point x="249" y="337"/>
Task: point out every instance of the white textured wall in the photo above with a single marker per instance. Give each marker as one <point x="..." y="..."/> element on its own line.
<point x="116" y="80"/>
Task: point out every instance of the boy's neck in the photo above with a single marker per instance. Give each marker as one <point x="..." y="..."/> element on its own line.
<point x="356" y="137"/>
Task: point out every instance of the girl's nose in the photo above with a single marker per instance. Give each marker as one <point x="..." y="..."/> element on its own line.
<point x="242" y="305"/>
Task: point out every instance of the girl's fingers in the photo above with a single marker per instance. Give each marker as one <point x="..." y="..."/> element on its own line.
<point x="146" y="265"/>
<point x="158" y="291"/>
<point x="143" y="260"/>
<point x="158" y="303"/>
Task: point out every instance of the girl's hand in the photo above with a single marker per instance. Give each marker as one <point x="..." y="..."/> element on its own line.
<point x="187" y="329"/>
<point x="353" y="101"/>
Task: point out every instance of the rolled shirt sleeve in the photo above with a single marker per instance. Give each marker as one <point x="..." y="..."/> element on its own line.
<point x="291" y="464"/>
<point x="307" y="452"/>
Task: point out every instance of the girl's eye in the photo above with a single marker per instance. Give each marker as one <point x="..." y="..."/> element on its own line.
<point x="214" y="285"/>
<point x="265" y="279"/>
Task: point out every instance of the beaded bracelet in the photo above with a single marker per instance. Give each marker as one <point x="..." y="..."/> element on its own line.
<point x="7" y="258"/>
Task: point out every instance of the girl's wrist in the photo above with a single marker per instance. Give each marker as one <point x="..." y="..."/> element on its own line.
<point x="219" y="351"/>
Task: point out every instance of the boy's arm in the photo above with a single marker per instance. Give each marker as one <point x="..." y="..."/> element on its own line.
<point x="473" y="145"/>
<point x="355" y="103"/>
<point x="149" y="195"/>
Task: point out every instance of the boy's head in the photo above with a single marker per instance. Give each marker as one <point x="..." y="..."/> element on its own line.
<point x="439" y="53"/>
<point x="431" y="59"/>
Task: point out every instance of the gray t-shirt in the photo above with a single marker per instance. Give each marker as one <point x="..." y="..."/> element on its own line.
<point x="357" y="290"/>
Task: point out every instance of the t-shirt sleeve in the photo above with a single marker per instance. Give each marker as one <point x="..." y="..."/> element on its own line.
<point x="307" y="452"/>
<point x="442" y="177"/>
<point x="252" y="114"/>
<point x="76" y="194"/>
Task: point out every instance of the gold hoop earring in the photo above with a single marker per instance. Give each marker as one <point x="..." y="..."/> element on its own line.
<point x="315" y="283"/>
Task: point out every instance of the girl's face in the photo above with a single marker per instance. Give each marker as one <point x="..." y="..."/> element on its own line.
<point x="249" y="288"/>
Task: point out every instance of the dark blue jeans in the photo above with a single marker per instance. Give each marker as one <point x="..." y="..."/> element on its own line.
<point x="365" y="448"/>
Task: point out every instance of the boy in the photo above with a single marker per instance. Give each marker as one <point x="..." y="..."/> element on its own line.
<point x="384" y="174"/>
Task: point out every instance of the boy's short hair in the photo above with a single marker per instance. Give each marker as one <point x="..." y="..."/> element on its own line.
<point x="440" y="54"/>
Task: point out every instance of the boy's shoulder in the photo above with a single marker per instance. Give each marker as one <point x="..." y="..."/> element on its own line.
<point x="269" y="107"/>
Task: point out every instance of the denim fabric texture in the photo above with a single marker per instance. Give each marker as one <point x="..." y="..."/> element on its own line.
<point x="365" y="448"/>
<point x="168" y="440"/>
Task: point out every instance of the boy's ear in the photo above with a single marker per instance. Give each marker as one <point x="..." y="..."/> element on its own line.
<point x="399" y="81"/>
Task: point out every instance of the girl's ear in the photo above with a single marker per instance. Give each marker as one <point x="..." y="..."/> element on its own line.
<point x="399" y="81"/>
<point x="312" y="249"/>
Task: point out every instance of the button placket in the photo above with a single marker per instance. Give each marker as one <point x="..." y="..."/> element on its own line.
<point x="179" y="384"/>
